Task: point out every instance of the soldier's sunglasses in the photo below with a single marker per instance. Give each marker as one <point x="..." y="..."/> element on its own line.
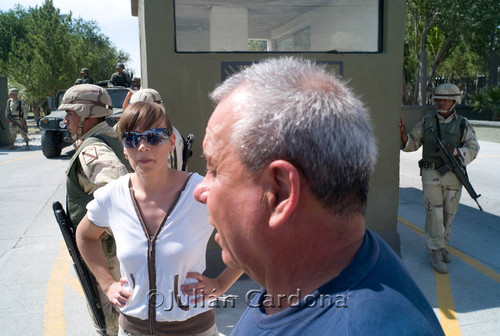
<point x="153" y="137"/>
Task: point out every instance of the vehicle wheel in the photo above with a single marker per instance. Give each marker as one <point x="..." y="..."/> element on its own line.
<point x="50" y="145"/>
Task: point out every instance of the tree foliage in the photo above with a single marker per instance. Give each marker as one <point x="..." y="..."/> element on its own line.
<point x="458" y="37"/>
<point x="43" y="51"/>
<point x="488" y="99"/>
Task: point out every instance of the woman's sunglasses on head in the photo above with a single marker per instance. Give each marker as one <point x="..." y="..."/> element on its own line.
<point x="153" y="137"/>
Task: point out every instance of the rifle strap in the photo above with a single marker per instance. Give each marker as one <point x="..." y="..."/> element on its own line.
<point x="438" y="128"/>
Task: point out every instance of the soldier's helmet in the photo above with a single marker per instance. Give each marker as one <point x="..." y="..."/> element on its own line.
<point x="14" y="90"/>
<point x="78" y="81"/>
<point x="150" y="95"/>
<point x="136" y="79"/>
<point x="84" y="70"/>
<point x="88" y="101"/>
<point x="120" y="65"/>
<point x="447" y="91"/>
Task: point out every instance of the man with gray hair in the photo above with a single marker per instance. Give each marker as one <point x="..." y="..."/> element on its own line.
<point x="289" y="152"/>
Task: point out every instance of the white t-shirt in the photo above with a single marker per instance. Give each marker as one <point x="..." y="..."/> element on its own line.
<point x="178" y="248"/>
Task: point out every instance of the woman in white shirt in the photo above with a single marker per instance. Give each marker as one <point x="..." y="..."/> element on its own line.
<point x="161" y="235"/>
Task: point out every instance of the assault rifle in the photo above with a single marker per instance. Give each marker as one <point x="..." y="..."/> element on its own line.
<point x="86" y="280"/>
<point x="17" y="123"/>
<point x="188" y="152"/>
<point x="452" y="163"/>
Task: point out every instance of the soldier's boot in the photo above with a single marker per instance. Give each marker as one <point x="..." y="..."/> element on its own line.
<point x="28" y="146"/>
<point x="437" y="262"/>
<point x="12" y="147"/>
<point x="446" y="255"/>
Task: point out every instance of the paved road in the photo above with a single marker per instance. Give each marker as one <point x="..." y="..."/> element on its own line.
<point x="467" y="300"/>
<point x="41" y="295"/>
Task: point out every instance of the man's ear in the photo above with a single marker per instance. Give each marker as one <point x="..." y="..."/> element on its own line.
<point x="284" y="191"/>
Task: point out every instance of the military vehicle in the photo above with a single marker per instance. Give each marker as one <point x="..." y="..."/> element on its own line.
<point x="55" y="134"/>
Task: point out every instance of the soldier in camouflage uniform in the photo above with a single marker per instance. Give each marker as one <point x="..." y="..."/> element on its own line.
<point x="136" y="83"/>
<point x="441" y="192"/>
<point x="98" y="159"/>
<point x="120" y="78"/>
<point x="86" y="76"/>
<point x="17" y="109"/>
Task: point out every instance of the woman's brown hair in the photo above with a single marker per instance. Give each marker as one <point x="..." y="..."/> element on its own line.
<point x="144" y="114"/>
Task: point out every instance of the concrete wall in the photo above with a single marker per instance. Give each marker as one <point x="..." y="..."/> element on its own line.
<point x="185" y="79"/>
<point x="4" y="127"/>
<point x="487" y="130"/>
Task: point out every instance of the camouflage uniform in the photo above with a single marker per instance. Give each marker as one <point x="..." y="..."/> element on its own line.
<point x="17" y="109"/>
<point x="442" y="193"/>
<point x="98" y="160"/>
<point x="120" y="79"/>
<point x="136" y="84"/>
<point x="86" y="76"/>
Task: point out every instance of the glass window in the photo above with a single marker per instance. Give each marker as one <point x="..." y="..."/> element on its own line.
<point x="277" y="25"/>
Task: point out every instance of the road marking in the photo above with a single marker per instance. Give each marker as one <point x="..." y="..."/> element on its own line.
<point x="446" y="307"/>
<point x="411" y="225"/>
<point x="74" y="284"/>
<point x="448" y="320"/>
<point x="479" y="266"/>
<point x="54" y="322"/>
<point x="475" y="264"/>
<point x="21" y="158"/>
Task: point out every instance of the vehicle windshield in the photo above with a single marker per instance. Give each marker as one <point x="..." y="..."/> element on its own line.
<point x="117" y="97"/>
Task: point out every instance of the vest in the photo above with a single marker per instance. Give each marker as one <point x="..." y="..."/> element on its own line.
<point x="76" y="198"/>
<point x="120" y="79"/>
<point x="20" y="114"/>
<point x="451" y="133"/>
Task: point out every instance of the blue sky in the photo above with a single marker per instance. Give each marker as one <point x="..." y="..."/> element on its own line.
<point x="113" y="17"/>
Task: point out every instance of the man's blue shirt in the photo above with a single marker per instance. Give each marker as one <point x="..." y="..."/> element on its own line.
<point x="373" y="295"/>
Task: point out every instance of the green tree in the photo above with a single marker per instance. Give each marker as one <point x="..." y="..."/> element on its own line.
<point x="488" y="100"/>
<point x="436" y="28"/>
<point x="257" y="45"/>
<point x="12" y="25"/>
<point x="39" y="60"/>
<point x="43" y="50"/>
<point x="93" y="50"/>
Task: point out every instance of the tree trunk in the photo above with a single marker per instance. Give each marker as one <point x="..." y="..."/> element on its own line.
<point x="437" y="60"/>
<point x="422" y="78"/>
<point x="493" y="73"/>
<point x="419" y="93"/>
